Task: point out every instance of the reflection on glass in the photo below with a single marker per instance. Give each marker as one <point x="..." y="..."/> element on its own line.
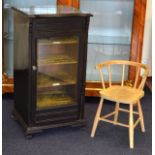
<point x="57" y="71"/>
<point x="8" y="38"/>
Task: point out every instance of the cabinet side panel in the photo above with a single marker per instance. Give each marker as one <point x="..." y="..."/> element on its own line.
<point x="21" y="64"/>
<point x="84" y="42"/>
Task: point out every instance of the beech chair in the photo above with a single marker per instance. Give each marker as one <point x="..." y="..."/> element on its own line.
<point x="122" y="94"/>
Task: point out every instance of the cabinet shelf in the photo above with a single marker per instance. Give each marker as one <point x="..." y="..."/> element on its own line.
<point x="52" y="99"/>
<point x="58" y="79"/>
<point x="56" y="59"/>
<point x="58" y="41"/>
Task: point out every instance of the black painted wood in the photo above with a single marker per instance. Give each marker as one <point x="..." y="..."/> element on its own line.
<point x="28" y="29"/>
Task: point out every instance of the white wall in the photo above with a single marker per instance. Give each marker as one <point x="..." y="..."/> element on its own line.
<point x="147" y="44"/>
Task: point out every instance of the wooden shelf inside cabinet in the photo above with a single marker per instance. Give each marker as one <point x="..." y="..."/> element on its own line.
<point x="51" y="99"/>
<point x="58" y="41"/>
<point x="56" y="60"/>
<point x="58" y="79"/>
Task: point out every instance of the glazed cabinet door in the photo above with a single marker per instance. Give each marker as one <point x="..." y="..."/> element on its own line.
<point x="57" y="79"/>
<point x="57" y="70"/>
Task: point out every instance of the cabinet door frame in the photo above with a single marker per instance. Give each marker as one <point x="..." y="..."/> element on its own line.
<point x="136" y="45"/>
<point x="80" y="83"/>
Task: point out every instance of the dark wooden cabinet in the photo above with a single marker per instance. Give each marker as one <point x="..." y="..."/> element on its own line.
<point x="50" y="51"/>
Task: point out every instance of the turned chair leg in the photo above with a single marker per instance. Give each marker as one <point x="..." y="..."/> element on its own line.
<point x="116" y="113"/>
<point x="141" y="116"/>
<point x="97" y="117"/>
<point x="131" y="127"/>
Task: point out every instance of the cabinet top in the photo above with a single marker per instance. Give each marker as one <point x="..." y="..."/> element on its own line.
<point x="50" y="11"/>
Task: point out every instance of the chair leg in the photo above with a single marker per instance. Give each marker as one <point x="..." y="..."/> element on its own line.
<point x="141" y="117"/>
<point x="131" y="127"/>
<point x="116" y="113"/>
<point x="97" y="117"/>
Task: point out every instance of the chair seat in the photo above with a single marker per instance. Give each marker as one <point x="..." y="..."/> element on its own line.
<point x="121" y="94"/>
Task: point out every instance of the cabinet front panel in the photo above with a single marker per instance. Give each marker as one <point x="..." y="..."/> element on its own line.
<point x="57" y="67"/>
<point x="58" y="25"/>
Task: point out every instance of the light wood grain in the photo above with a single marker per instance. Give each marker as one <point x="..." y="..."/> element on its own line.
<point x="102" y="79"/>
<point x="131" y="127"/>
<point x="125" y="110"/>
<point x="97" y="117"/>
<point x="137" y="75"/>
<point x="141" y="117"/>
<point x="123" y="72"/>
<point x="126" y="95"/>
<point x="122" y="94"/>
<point x="109" y="75"/>
<point x="116" y="112"/>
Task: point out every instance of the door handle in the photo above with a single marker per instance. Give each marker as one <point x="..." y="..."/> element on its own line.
<point x="34" y="68"/>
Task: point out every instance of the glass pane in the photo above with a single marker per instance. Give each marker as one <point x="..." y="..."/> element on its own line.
<point x="57" y="60"/>
<point x="9" y="29"/>
<point x="109" y="33"/>
<point x="8" y="38"/>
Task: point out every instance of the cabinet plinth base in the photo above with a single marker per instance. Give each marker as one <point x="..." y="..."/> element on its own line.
<point x="30" y="130"/>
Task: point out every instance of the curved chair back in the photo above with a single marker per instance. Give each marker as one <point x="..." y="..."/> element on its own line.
<point x="124" y="63"/>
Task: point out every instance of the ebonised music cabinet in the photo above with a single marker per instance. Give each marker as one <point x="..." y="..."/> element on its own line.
<point x="50" y="52"/>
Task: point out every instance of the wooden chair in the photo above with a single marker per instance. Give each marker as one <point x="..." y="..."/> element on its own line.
<point x="122" y="94"/>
